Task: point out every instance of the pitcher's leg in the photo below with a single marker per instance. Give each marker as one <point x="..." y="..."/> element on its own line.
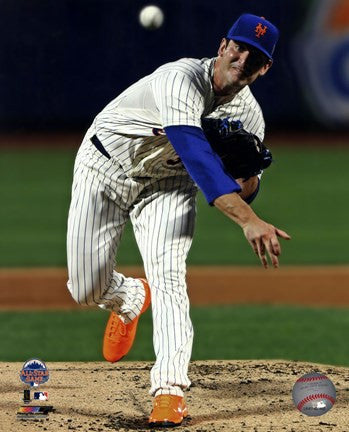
<point x="163" y="226"/>
<point x="95" y="226"/>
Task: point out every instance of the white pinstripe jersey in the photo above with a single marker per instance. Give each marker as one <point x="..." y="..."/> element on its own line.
<point x="177" y="93"/>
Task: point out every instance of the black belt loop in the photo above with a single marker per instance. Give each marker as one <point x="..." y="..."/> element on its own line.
<point x="99" y="146"/>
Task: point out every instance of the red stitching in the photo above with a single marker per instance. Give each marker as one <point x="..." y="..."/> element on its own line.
<point x="315" y="378"/>
<point x="314" y="397"/>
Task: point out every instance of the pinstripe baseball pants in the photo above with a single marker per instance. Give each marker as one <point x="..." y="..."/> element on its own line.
<point x="162" y="212"/>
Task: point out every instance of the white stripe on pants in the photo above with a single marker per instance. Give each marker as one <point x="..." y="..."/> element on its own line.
<point x="162" y="212"/>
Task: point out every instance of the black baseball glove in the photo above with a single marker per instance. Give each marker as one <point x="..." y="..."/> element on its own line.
<point x="242" y="153"/>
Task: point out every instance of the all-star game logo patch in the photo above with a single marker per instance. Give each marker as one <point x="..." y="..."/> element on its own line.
<point x="34" y="373"/>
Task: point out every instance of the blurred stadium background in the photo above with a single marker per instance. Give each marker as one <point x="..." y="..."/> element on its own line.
<point x="61" y="62"/>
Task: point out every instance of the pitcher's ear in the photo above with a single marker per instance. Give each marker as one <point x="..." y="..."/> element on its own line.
<point x="223" y="45"/>
<point x="264" y="69"/>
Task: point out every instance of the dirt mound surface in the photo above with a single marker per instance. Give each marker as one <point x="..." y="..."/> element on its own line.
<point x="225" y="396"/>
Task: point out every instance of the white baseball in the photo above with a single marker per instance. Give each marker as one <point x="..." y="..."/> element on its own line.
<point x="314" y="394"/>
<point x="151" y="17"/>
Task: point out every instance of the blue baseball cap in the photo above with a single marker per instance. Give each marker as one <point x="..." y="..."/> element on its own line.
<point x="256" y="31"/>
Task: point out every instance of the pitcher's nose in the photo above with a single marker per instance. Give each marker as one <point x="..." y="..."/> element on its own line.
<point x="243" y="57"/>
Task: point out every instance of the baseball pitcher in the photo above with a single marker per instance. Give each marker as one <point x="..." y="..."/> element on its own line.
<point x="191" y="124"/>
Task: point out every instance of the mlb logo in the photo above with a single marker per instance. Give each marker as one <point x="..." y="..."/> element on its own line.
<point x="43" y="396"/>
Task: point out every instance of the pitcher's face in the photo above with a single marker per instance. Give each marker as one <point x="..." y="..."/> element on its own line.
<point x="238" y="64"/>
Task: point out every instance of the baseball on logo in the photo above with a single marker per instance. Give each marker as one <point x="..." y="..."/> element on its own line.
<point x="314" y="394"/>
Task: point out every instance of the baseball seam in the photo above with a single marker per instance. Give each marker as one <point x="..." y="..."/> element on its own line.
<point x="314" y="397"/>
<point x="315" y="378"/>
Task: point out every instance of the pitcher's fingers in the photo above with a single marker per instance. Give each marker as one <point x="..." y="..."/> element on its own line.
<point x="275" y="246"/>
<point x="282" y="234"/>
<point x="254" y="247"/>
<point x="261" y="254"/>
<point x="273" y="249"/>
<point x="274" y="260"/>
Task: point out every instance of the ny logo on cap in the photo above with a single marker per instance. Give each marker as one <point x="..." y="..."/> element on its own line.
<point x="260" y="30"/>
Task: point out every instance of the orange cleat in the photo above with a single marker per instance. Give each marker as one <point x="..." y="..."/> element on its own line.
<point x="168" y="411"/>
<point x="118" y="336"/>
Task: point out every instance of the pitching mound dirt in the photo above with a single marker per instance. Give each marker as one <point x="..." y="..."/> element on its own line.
<point x="225" y="396"/>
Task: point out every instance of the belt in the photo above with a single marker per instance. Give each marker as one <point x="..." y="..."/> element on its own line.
<point x="99" y="146"/>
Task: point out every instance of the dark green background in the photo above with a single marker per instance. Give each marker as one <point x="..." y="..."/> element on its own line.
<point x="305" y="192"/>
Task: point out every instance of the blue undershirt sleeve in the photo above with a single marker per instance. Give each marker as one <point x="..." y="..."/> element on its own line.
<point x="202" y="163"/>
